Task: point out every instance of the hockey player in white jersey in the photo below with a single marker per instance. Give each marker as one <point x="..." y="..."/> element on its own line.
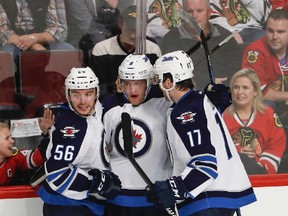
<point x="208" y="176"/>
<point x="77" y="181"/>
<point x="150" y="142"/>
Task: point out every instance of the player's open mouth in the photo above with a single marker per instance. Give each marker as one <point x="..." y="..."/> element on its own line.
<point x="83" y="108"/>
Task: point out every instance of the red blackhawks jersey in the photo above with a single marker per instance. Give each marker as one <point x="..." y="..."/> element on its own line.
<point x="23" y="160"/>
<point x="271" y="71"/>
<point x="264" y="132"/>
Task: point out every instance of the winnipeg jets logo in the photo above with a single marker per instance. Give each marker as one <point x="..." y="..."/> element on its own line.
<point x="186" y="117"/>
<point x="141" y="138"/>
<point x="69" y="132"/>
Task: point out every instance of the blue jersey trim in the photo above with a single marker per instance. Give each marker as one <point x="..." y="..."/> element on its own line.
<point x="130" y="201"/>
<point x="204" y="158"/>
<point x="57" y="199"/>
<point x="215" y="202"/>
<point x="210" y="171"/>
<point x="51" y="177"/>
<point x="63" y="187"/>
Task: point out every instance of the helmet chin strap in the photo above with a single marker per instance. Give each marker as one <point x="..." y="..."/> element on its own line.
<point x="167" y="91"/>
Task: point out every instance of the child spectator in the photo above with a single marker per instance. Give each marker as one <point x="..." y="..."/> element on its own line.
<point x="12" y="160"/>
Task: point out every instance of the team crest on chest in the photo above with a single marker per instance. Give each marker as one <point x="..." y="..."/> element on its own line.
<point x="186" y="117"/>
<point x="252" y="56"/>
<point x="69" y="131"/>
<point x="141" y="138"/>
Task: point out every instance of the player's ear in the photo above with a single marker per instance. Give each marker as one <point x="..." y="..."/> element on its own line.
<point x="121" y="23"/>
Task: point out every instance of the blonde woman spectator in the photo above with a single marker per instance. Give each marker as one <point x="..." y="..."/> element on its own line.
<point x="255" y="128"/>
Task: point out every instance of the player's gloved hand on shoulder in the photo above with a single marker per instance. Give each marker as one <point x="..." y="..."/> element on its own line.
<point x="167" y="192"/>
<point x="104" y="183"/>
<point x="219" y="95"/>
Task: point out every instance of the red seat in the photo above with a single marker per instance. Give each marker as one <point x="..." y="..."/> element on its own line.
<point x="42" y="75"/>
<point x="8" y="108"/>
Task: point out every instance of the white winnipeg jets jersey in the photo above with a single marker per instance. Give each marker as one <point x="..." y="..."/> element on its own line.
<point x="205" y="156"/>
<point x="149" y="146"/>
<point x="75" y="147"/>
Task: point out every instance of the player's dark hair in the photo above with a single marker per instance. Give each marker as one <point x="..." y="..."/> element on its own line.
<point x="166" y="76"/>
<point x="182" y="85"/>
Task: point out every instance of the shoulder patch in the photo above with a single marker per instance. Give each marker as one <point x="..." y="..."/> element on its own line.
<point x="252" y="56"/>
<point x="186" y="117"/>
<point x="277" y="121"/>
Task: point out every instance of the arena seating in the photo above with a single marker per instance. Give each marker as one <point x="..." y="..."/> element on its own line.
<point x="9" y="109"/>
<point x="42" y="76"/>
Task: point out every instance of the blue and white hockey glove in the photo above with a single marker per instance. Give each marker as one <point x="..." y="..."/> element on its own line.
<point x="167" y="192"/>
<point x="104" y="183"/>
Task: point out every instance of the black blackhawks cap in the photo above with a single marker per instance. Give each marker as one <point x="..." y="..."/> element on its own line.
<point x="129" y="17"/>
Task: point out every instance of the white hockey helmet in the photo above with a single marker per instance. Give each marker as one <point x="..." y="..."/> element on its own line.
<point x="177" y="63"/>
<point x="81" y="78"/>
<point x="136" y="67"/>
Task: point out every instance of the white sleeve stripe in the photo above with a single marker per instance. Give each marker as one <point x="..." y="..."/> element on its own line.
<point x="271" y="156"/>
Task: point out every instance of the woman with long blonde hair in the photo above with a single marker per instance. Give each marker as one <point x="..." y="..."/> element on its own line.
<point x="255" y="128"/>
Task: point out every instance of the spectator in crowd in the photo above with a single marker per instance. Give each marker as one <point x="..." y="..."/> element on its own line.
<point x="32" y="25"/>
<point x="14" y="161"/>
<point x="244" y="18"/>
<point x="77" y="180"/>
<point x="261" y="146"/>
<point x="80" y="15"/>
<point x="225" y="55"/>
<point x="208" y="175"/>
<point x="268" y="57"/>
<point x="84" y="15"/>
<point x="91" y="21"/>
<point x="149" y="137"/>
<point x="285" y="6"/>
<point x="107" y="55"/>
<point x="162" y="16"/>
<point x="279" y="4"/>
